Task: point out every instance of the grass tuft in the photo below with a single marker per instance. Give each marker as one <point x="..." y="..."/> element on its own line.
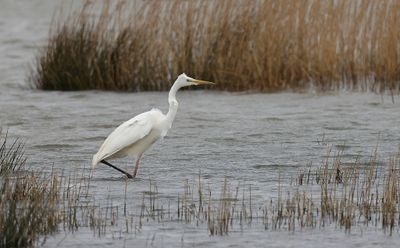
<point x="28" y="203"/>
<point x="12" y="158"/>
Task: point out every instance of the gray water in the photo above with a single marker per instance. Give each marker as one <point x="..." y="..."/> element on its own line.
<point x="254" y="139"/>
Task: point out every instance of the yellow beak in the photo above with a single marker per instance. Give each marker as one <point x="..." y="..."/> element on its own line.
<point x="200" y="82"/>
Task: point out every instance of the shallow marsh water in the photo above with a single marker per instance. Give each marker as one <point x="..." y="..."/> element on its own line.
<point x="255" y="139"/>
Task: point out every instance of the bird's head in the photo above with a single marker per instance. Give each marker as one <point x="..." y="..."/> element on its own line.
<point x="184" y="80"/>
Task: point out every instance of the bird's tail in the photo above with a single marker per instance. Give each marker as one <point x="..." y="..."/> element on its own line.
<point x="95" y="161"/>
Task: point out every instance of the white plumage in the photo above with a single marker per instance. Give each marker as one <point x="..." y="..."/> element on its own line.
<point x="133" y="137"/>
<point x="144" y="128"/>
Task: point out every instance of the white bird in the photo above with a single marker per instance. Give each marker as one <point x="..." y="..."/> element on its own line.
<point x="133" y="137"/>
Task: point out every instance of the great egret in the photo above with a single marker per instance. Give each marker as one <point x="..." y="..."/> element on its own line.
<point x="133" y="137"/>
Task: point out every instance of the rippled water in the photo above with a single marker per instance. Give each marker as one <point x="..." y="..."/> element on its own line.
<point x="250" y="138"/>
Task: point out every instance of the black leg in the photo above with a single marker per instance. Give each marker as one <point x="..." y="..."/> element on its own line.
<point x="118" y="169"/>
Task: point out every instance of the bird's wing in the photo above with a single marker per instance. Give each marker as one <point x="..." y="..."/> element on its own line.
<point x="125" y="135"/>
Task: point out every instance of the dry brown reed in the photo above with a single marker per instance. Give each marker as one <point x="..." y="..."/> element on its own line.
<point x="198" y="205"/>
<point x="355" y="193"/>
<point x="264" y="45"/>
<point x="337" y="193"/>
<point x="28" y="209"/>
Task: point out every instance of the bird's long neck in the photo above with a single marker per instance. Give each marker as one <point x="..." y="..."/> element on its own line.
<point x="173" y="104"/>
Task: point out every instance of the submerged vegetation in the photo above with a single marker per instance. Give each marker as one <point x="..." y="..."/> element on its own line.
<point x="345" y="195"/>
<point x="262" y="45"/>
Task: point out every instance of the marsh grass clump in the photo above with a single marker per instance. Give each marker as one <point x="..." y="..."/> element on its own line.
<point x="112" y="51"/>
<point x="34" y="205"/>
<point x="28" y="202"/>
<point x="12" y="157"/>
<point x="259" y="45"/>
<point x="28" y="210"/>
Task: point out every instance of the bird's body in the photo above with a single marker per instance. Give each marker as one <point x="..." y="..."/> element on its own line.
<point x="133" y="137"/>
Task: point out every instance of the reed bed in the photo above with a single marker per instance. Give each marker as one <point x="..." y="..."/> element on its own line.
<point x="264" y="45"/>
